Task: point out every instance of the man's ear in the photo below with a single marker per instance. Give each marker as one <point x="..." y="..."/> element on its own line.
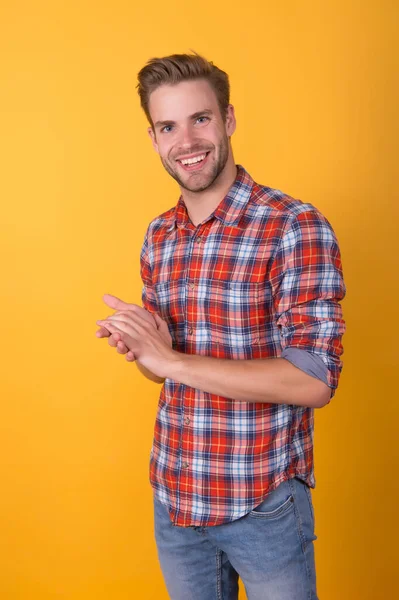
<point x="151" y="133"/>
<point x="230" y="120"/>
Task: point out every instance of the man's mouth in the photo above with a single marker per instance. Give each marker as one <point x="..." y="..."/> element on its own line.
<point x="193" y="163"/>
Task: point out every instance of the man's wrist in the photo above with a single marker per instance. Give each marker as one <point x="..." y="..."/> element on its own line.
<point x="177" y="365"/>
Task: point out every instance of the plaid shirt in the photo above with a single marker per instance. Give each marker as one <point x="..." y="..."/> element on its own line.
<point x="261" y="275"/>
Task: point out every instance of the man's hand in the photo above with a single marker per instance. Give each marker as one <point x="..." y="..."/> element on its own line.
<point x="115" y="340"/>
<point x="128" y="314"/>
<point x="144" y="341"/>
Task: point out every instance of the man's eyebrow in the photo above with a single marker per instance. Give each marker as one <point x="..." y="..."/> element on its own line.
<point x="200" y="113"/>
<point x="163" y="123"/>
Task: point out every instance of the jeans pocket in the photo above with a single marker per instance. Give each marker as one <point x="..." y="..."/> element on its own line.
<point x="276" y="504"/>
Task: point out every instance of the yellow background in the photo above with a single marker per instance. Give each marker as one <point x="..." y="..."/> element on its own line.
<point x="316" y="100"/>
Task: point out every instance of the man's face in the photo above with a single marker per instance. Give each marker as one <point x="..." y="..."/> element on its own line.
<point x="189" y="133"/>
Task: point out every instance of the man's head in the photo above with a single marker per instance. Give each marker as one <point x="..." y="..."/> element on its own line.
<point x="186" y="100"/>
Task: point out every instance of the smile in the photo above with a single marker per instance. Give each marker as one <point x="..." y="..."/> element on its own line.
<point x="194" y="161"/>
<point x="191" y="161"/>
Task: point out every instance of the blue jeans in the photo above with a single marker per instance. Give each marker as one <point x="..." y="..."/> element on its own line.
<point x="270" y="549"/>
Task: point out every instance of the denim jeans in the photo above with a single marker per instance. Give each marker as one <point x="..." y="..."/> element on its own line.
<point x="270" y="549"/>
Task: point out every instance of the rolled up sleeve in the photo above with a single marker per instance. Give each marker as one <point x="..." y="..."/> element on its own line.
<point x="307" y="285"/>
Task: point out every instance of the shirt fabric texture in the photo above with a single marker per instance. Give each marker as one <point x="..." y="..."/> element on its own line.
<point x="260" y="278"/>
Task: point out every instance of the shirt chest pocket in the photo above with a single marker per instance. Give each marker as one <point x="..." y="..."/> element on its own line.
<point x="233" y="310"/>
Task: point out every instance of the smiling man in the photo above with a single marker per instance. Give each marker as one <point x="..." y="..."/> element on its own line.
<point x="242" y="325"/>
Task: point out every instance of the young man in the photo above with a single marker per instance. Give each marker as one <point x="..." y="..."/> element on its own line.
<point x="241" y="322"/>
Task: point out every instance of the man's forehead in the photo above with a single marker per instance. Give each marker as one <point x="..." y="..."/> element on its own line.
<point x="179" y="101"/>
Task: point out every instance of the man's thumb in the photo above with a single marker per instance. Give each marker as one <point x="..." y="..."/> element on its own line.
<point x="116" y="303"/>
<point x="160" y="322"/>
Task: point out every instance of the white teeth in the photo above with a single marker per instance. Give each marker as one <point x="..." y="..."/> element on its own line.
<point x="192" y="161"/>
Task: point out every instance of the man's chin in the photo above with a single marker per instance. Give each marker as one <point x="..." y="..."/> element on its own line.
<point x="194" y="189"/>
<point x="198" y="183"/>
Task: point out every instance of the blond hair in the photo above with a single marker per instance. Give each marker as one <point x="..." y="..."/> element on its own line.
<point x="181" y="67"/>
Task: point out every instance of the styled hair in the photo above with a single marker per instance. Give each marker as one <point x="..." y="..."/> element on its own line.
<point x="176" y="68"/>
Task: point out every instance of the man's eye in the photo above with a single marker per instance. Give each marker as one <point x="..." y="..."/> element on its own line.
<point x="202" y="119"/>
<point x="166" y="129"/>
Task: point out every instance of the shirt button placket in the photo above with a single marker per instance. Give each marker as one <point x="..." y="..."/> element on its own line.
<point x="191" y="286"/>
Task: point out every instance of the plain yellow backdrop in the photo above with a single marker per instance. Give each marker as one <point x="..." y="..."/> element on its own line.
<point x="315" y="91"/>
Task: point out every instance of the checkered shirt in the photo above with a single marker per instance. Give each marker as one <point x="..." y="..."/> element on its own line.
<point x="262" y="274"/>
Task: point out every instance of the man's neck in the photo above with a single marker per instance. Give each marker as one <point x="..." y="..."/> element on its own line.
<point x="202" y="204"/>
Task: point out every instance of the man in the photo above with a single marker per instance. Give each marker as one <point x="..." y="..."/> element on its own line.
<point x="241" y="322"/>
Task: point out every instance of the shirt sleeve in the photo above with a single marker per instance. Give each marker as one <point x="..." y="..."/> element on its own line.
<point x="308" y="362"/>
<point x="307" y="283"/>
<point x="148" y="296"/>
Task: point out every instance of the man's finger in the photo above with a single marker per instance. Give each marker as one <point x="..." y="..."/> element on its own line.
<point x="102" y="332"/>
<point x="160" y="323"/>
<point x="116" y="303"/>
<point x="119" y="306"/>
<point x="121" y="348"/>
<point x="122" y="317"/>
<point x="131" y="328"/>
<point x="114" y="339"/>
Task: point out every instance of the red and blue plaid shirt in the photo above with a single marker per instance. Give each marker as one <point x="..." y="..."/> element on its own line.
<point x="262" y="274"/>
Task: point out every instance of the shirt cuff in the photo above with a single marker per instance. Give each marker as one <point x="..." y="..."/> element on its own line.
<point x="308" y="362"/>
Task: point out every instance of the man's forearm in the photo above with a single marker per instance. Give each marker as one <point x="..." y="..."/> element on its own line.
<point x="273" y="380"/>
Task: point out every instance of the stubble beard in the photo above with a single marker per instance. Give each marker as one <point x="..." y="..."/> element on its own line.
<point x="195" y="183"/>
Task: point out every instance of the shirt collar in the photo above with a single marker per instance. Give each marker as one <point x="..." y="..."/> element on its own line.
<point x="230" y="208"/>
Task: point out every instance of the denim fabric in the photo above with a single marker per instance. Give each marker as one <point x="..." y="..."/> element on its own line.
<point x="270" y="549"/>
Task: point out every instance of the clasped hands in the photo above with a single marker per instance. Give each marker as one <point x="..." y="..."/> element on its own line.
<point x="141" y="336"/>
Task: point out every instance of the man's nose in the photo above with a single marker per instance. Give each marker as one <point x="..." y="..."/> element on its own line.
<point x="187" y="138"/>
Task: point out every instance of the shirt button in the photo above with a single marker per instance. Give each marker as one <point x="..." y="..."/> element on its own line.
<point x="190" y="331"/>
<point x="187" y="420"/>
<point x="185" y="465"/>
<point x="191" y="285"/>
<point x="199" y="240"/>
